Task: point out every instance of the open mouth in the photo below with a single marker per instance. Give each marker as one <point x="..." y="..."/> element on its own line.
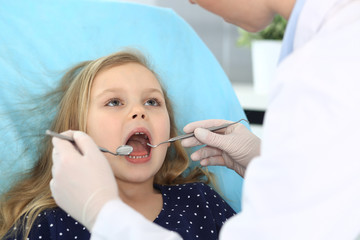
<point x="139" y="142"/>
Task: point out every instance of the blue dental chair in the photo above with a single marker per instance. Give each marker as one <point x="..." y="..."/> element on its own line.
<point x="40" y="39"/>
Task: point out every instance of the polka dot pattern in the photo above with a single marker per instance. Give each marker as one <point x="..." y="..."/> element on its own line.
<point x="194" y="210"/>
<point x="55" y="224"/>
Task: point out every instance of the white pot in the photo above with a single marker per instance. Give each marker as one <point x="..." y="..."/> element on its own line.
<point x="265" y="55"/>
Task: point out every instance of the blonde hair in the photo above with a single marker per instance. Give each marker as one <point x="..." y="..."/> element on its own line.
<point x="32" y="195"/>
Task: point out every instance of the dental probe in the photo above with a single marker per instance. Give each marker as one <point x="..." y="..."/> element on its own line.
<point x="192" y="134"/>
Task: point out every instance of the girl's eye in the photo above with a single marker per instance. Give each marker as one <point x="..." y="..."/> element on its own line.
<point x="152" y="102"/>
<point x="114" y="102"/>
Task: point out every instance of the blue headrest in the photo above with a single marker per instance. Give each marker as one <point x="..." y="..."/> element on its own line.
<point x="40" y="39"/>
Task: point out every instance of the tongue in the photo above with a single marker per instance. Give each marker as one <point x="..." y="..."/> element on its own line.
<point x="138" y="148"/>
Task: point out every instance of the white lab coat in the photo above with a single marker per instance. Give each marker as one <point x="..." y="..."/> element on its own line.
<point x="306" y="184"/>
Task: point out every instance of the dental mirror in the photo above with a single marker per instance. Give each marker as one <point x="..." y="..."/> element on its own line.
<point x="123" y="150"/>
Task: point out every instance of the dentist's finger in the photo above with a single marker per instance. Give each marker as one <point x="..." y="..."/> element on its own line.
<point x="52" y="186"/>
<point x="55" y="156"/>
<point x="213" y="161"/>
<point x="205" y="152"/>
<point x="84" y="142"/>
<point x="191" y="142"/>
<point x="191" y="127"/>
<point x="60" y="145"/>
<point x="69" y="133"/>
<point x="204" y="124"/>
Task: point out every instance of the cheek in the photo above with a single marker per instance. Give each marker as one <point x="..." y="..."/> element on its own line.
<point x="90" y="122"/>
<point x="165" y="126"/>
<point x="94" y="122"/>
<point x="99" y="126"/>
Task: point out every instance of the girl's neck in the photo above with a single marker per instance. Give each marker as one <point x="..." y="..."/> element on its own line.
<point x="136" y="191"/>
<point x="142" y="197"/>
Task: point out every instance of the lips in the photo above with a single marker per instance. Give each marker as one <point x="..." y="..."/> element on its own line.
<point x="138" y="139"/>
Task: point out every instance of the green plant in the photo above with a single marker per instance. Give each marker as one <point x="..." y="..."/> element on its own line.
<point x="274" y="31"/>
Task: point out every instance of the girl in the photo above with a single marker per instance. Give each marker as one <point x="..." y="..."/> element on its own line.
<point x="118" y="100"/>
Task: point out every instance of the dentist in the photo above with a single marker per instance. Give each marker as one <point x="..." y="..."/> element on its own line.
<point x="306" y="182"/>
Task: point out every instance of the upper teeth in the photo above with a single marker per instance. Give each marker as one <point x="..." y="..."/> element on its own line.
<point x="141" y="133"/>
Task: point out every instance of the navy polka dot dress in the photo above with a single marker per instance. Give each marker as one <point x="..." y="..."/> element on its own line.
<point x="194" y="210"/>
<point x="56" y="224"/>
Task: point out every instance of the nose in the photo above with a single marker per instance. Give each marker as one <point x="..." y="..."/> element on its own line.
<point x="138" y="115"/>
<point x="138" y="112"/>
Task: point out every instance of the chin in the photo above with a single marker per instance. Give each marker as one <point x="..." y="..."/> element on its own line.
<point x="136" y="174"/>
<point x="134" y="179"/>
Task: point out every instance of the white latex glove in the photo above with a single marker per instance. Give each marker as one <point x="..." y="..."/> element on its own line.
<point x="82" y="183"/>
<point x="233" y="147"/>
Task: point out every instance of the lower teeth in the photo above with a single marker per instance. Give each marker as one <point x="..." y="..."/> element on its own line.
<point x="137" y="157"/>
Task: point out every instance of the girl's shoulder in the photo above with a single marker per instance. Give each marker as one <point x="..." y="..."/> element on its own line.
<point x="194" y="210"/>
<point x="192" y="195"/>
<point x="57" y="224"/>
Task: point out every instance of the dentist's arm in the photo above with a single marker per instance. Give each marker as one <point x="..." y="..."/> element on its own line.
<point x="233" y="147"/>
<point x="83" y="185"/>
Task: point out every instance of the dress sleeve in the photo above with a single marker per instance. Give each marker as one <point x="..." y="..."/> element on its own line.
<point x="57" y="224"/>
<point x="117" y="219"/>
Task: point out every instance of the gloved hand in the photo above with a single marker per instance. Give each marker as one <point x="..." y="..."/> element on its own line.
<point x="82" y="182"/>
<point x="233" y="147"/>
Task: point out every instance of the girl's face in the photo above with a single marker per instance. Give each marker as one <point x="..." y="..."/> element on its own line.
<point x="127" y="106"/>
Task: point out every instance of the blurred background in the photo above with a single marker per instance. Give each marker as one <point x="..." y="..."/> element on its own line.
<point x="219" y="36"/>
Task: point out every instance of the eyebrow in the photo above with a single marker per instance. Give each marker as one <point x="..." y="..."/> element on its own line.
<point x="110" y="90"/>
<point x="151" y="90"/>
<point x="119" y="90"/>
